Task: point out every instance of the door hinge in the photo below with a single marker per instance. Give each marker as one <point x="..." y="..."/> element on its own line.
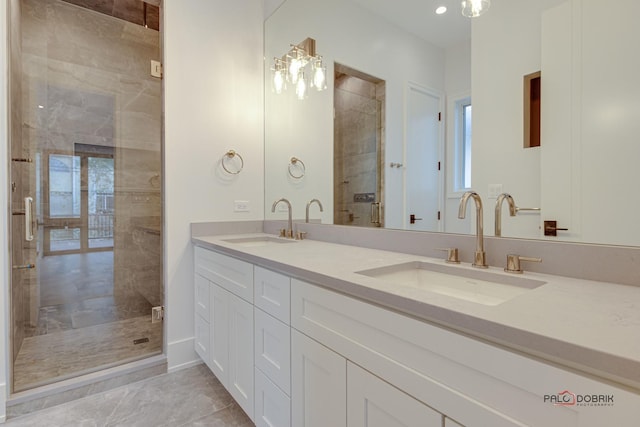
<point x="439" y="117"/>
<point x="438" y="165"/>
<point x="438" y="215"/>
<point x="156" y="69"/>
<point x="157" y="314"/>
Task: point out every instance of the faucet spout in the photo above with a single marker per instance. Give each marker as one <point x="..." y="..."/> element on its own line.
<point x="289" y="232"/>
<point x="306" y="219"/>
<point x="480" y="258"/>
<point x="498" y="215"/>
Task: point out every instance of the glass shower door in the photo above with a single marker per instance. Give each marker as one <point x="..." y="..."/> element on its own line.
<point x="86" y="171"/>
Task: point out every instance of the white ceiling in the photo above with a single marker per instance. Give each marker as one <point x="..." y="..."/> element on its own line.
<point x="419" y="18"/>
<point x="415" y="16"/>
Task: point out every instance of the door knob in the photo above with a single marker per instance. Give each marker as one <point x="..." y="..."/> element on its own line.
<point x="413" y="219"/>
<point x="551" y="228"/>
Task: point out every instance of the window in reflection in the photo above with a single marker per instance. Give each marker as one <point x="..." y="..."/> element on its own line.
<point x="463" y="144"/>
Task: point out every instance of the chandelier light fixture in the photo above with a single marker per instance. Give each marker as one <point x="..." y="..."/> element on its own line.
<point x="301" y="67"/>
<point x="473" y="8"/>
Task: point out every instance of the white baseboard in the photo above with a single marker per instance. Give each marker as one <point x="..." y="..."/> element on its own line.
<point x="181" y="354"/>
<point x="3" y="402"/>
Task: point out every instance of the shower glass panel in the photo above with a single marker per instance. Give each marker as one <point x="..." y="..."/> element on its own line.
<point x="86" y="230"/>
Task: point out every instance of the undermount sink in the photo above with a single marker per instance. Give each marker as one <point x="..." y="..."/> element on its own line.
<point x="258" y="241"/>
<point x="482" y="287"/>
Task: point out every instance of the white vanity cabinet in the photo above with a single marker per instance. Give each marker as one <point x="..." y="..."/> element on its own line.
<point x="294" y="354"/>
<point x="224" y="322"/>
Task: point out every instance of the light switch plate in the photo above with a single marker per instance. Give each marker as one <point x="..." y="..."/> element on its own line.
<point x="241" y="206"/>
<point x="494" y="190"/>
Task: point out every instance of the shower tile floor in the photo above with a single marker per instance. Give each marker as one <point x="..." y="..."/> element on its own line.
<point x="81" y="325"/>
<point x="46" y="358"/>
<point x="189" y="397"/>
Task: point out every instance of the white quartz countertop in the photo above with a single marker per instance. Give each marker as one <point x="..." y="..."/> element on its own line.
<point x="586" y="325"/>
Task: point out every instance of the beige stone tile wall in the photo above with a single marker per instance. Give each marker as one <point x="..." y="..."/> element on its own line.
<point x="357" y="141"/>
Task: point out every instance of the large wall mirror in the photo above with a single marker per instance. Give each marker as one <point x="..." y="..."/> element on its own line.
<point x="419" y="108"/>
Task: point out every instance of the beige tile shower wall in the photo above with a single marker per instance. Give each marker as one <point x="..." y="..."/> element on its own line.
<point x="90" y="72"/>
<point x="357" y="129"/>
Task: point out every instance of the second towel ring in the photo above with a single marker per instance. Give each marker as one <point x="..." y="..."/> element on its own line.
<point x="294" y="164"/>
<point x="230" y="155"/>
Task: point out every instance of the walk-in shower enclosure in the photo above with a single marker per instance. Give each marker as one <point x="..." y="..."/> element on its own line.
<point x="86" y="187"/>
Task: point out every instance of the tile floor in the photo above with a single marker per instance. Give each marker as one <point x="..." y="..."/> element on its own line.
<point x="46" y="358"/>
<point x="81" y="326"/>
<point x="189" y="397"/>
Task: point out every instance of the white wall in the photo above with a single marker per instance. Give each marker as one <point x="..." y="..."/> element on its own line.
<point x="609" y="122"/>
<point x="350" y="35"/>
<point x="505" y="47"/>
<point x="457" y="86"/>
<point x="213" y="103"/>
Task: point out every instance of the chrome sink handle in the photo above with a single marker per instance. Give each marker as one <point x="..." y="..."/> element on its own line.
<point x="513" y="263"/>
<point x="452" y="255"/>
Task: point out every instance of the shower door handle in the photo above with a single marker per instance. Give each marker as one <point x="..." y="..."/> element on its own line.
<point x="28" y="219"/>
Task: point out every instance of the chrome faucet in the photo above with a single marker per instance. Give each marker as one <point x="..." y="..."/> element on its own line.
<point x="498" y="216"/>
<point x="306" y="218"/>
<point x="479" y="260"/>
<point x="289" y="231"/>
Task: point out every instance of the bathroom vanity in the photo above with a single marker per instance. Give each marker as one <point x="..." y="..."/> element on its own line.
<point x="306" y="333"/>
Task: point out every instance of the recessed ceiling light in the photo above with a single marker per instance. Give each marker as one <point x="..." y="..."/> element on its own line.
<point x="441" y="10"/>
<point x="40" y="106"/>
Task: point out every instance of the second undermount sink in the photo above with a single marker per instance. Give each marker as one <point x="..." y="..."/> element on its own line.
<point x="258" y="241"/>
<point x="479" y="286"/>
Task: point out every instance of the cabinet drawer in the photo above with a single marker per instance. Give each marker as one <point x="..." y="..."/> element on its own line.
<point x="273" y="407"/>
<point x="273" y="349"/>
<point x="272" y="293"/>
<point x="202" y="286"/>
<point x="202" y="339"/>
<point x="230" y="273"/>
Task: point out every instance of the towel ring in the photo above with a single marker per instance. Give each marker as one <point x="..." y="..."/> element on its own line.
<point x="294" y="162"/>
<point x="230" y="155"/>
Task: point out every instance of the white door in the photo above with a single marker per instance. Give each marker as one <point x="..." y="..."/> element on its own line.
<point x="219" y="329"/>
<point x="318" y="384"/>
<point x="241" y="353"/>
<point x="423" y="186"/>
<point x="375" y="403"/>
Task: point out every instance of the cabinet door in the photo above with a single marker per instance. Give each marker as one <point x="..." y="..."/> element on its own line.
<point x="202" y="339"/>
<point x="318" y="384"/>
<point x="375" y="403"/>
<point x="219" y="330"/>
<point x="202" y="297"/>
<point x="241" y="353"/>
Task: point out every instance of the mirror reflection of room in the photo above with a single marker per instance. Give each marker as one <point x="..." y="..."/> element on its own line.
<point x="578" y="106"/>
